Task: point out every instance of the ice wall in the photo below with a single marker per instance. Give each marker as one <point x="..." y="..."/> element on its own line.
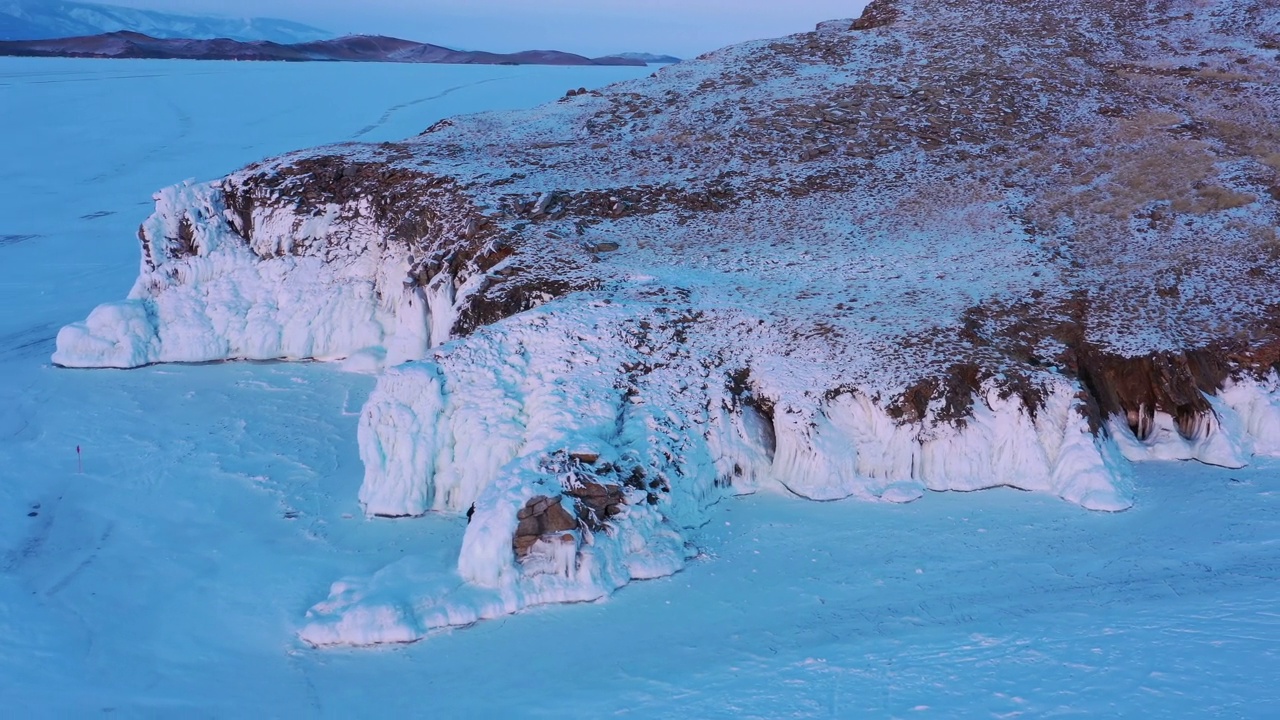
<point x="1255" y="403"/>
<point x="206" y="293"/>
<point x="556" y="399"/>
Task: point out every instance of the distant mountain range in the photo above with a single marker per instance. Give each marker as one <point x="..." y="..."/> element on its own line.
<point x="45" y="19"/>
<point x="353" y="48"/>
<point x="43" y="28"/>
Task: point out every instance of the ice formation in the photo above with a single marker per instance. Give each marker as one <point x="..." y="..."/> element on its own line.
<point x="203" y="293"/>
<point x="867" y="262"/>
<point x="476" y="425"/>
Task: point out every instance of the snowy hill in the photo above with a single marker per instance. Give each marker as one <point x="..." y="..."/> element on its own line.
<point x="40" y="20"/>
<point x="649" y="58"/>
<point x="951" y="245"/>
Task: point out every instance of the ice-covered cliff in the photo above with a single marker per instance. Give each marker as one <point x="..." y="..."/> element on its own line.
<point x="948" y="246"/>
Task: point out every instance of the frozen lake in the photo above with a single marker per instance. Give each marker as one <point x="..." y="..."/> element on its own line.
<point x="218" y="502"/>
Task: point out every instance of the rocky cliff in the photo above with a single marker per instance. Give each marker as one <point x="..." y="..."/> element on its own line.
<point x="946" y="246"/>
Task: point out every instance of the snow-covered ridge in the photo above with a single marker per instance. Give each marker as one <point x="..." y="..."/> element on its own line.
<point x="869" y="261"/>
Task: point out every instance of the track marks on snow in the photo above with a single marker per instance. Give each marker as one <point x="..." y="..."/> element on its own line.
<point x="184" y="122"/>
<point x="66" y="580"/>
<point x="48" y="544"/>
<point x="34" y="341"/>
<point x="14" y="239"/>
<point x="390" y="112"/>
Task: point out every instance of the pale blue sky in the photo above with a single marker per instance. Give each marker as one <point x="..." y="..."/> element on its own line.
<point x="680" y="27"/>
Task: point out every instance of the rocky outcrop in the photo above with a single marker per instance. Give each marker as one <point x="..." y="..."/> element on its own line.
<point x="948" y="246"/>
<point x="876" y="14"/>
<point x="541" y="517"/>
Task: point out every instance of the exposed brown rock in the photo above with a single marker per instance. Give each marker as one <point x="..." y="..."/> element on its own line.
<point x="184" y="245"/>
<point x="412" y="205"/>
<point x="597" y="502"/>
<point x="504" y="296"/>
<point x="1136" y="388"/>
<point x="541" y="516"/>
<point x="877" y="13"/>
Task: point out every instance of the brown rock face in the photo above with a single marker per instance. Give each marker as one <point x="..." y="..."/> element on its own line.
<point x="876" y="14"/>
<point x="415" y="207"/>
<point x="541" y="516"/>
<point x="1136" y="388"/>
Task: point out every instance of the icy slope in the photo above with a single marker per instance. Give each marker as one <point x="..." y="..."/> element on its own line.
<point x="949" y="246"/>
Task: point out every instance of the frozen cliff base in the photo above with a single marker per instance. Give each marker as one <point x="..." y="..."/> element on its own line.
<point x="513" y="412"/>
<point x="474" y="429"/>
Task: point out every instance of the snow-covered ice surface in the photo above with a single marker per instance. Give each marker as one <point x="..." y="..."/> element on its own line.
<point x="168" y="579"/>
<point x="218" y="501"/>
